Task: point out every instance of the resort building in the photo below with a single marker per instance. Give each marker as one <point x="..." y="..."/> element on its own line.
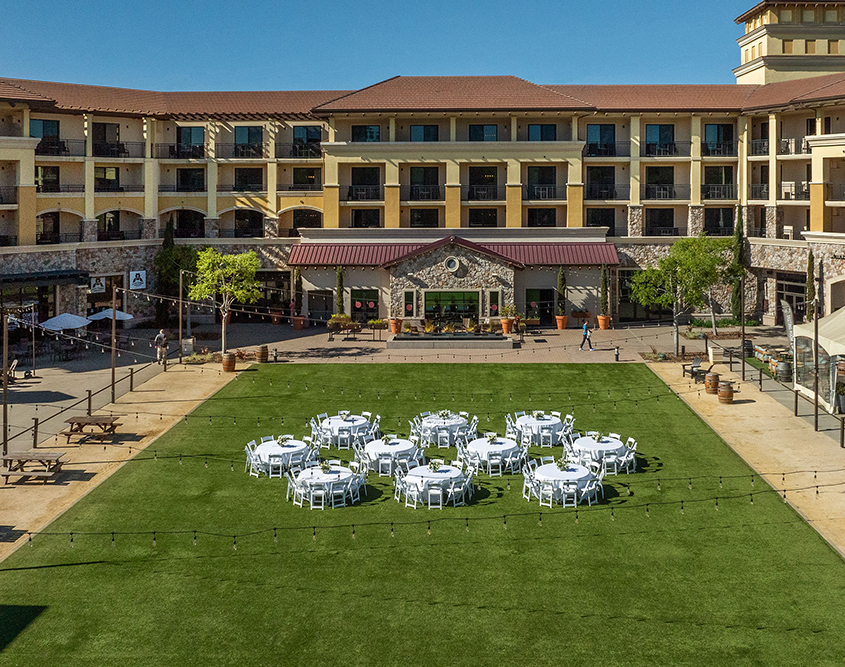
<point x="439" y="196"/>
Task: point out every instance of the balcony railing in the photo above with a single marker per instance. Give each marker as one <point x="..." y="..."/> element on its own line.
<point x="666" y="149"/>
<point x="119" y="235"/>
<point x="606" y="192"/>
<point x="185" y="233"/>
<point x="241" y="187"/>
<point x="792" y="190"/>
<point x="51" y="238"/>
<point x="719" y="231"/>
<point x="115" y="187"/>
<point x="242" y="151"/>
<point x="180" y="151"/>
<point x="119" y="149"/>
<point x="725" y="191"/>
<point x="241" y="233"/>
<point x="757" y="232"/>
<point x="668" y="191"/>
<point x="759" y="147"/>
<point x="718" y="148"/>
<point x="61" y="147"/>
<point x="182" y="188"/>
<point x="483" y="193"/>
<point x="617" y="149"/>
<point x="7" y="240"/>
<point x="361" y="192"/>
<point x="46" y="188"/>
<point x="300" y="187"/>
<point x="794" y="147"/>
<point x="8" y="194"/>
<point x="836" y="191"/>
<point x="665" y="231"/>
<point x="543" y="193"/>
<point x="311" y="151"/>
<point x="759" y="191"/>
<point x="422" y="193"/>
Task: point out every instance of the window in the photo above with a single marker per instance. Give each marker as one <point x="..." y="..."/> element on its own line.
<point x="366" y="133"/>
<point x="304" y="218"/>
<point x="366" y="217"/>
<point x="307" y="134"/>
<point x="249" y="134"/>
<point x="425" y="217"/>
<point x="719" y="221"/>
<point x="658" y="220"/>
<point x="425" y="133"/>
<point x="44" y="129"/>
<point x="483" y="132"/>
<point x="410" y="301"/>
<point x="366" y="184"/>
<point x="828" y="125"/>
<point x="106" y="179"/>
<point x="831" y="16"/>
<point x="660" y="140"/>
<point x="451" y="306"/>
<point x="542" y="132"/>
<point x="542" y="182"/>
<point x="601" y="217"/>
<point x="108" y="226"/>
<point x="493" y="299"/>
<point x="105" y="132"/>
<point x="424" y="184"/>
<point x="190" y="180"/>
<point x="601" y="140"/>
<point x="249" y="179"/>
<point x="659" y="175"/>
<point x="811" y="47"/>
<point x="810" y="127"/>
<point x="718" y="175"/>
<point x="190" y="136"/>
<point x="833" y="47"/>
<point x="785" y="16"/>
<point x="483" y="217"/>
<point x="542" y="217"/>
<point x="46" y="179"/>
<point x="307" y="178"/>
<point x="718" y="139"/>
<point x="483" y="183"/>
<point x="809" y="16"/>
<point x="788" y="46"/>
<point x="364" y="304"/>
<point x="47" y="226"/>
<point x="248" y="224"/>
<point x="753" y="52"/>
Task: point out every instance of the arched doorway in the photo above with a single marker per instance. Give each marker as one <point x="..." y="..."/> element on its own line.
<point x="187" y="223"/>
<point x="58" y="227"/>
<point x="249" y="223"/>
<point x="118" y="226"/>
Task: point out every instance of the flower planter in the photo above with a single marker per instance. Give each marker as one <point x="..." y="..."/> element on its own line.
<point x="395" y="325"/>
<point x="298" y="322"/>
<point x="604" y="322"/>
<point x="507" y="326"/>
<point x="561" y="321"/>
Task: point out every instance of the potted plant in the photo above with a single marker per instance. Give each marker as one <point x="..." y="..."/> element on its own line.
<point x="508" y="315"/>
<point x="339" y="321"/>
<point x="395" y="324"/>
<point x="297" y="316"/>
<point x="604" y="303"/>
<point x="377" y="324"/>
<point x="561" y="319"/>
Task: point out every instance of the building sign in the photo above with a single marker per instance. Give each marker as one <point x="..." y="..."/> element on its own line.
<point x="98" y="286"/>
<point x="137" y="280"/>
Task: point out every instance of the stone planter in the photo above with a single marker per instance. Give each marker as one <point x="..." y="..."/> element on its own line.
<point x="561" y="321"/>
<point x="604" y="322"/>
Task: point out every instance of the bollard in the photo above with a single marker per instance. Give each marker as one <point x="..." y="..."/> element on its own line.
<point x="795" y="391"/>
<point x="616" y="352"/>
<point x="89" y="402"/>
<point x="131" y="379"/>
<point x="275" y="355"/>
<point x="842" y="432"/>
<point x="760" y="380"/>
<point x="683" y="350"/>
<point x="731" y="360"/>
<point x="165" y="361"/>
<point x="34" y="432"/>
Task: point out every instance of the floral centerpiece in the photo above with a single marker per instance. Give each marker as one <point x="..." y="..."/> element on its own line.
<point x="344" y="414"/>
<point x="491" y="437"/>
<point x="444" y="414"/>
<point x="325" y="466"/>
<point x="434" y="466"/>
<point x="562" y="463"/>
<point x="284" y="438"/>
<point x="597" y="436"/>
<point x="538" y="414"/>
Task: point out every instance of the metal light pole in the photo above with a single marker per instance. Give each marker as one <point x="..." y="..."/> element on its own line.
<point x="5" y="317"/>
<point x="32" y="322"/>
<point x="113" y="336"/>
<point x="742" y="320"/>
<point x="816" y="362"/>
<point x="181" y="271"/>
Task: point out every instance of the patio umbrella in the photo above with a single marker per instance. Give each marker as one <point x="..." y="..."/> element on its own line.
<point x="106" y="315"/>
<point x="65" y="321"/>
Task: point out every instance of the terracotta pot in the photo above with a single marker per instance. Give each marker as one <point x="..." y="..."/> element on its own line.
<point x="507" y="326"/>
<point x="395" y="325"/>
<point x="561" y="321"/>
<point x="298" y="322"/>
<point x="604" y="322"/>
<point x="229" y="362"/>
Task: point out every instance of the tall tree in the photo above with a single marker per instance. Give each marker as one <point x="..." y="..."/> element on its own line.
<point x="604" y="304"/>
<point x="810" y="299"/>
<point x="169" y="260"/>
<point x="338" y="296"/>
<point x="561" y="291"/>
<point x="738" y="267"/>
<point x="229" y="278"/>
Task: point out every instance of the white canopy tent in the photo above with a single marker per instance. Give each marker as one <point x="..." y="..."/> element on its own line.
<point x="106" y="315"/>
<point x="831" y="332"/>
<point x="65" y="321"/>
<point x="831" y="346"/>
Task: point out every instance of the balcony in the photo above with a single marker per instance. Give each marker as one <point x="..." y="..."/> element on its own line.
<point x="182" y="188"/>
<point x="543" y="193"/>
<point x="180" y="151"/>
<point x="185" y="233"/>
<point x="119" y="149"/>
<point x="119" y="235"/>
<point x="794" y="147"/>
<point x="115" y="187"/>
<point x="653" y="230"/>
<point x="757" y="232"/>
<point x="299" y="187"/>
<point x="483" y="193"/>
<point x="795" y="190"/>
<point x="760" y="191"/>
<point x="666" y="149"/>
<point x="617" y="149"/>
<point x="666" y="192"/>
<point x="718" y="148"/>
<point x="607" y="192"/>
<point x="7" y="240"/>
<point x="52" y="238"/>
<point x="361" y="193"/>
<point x="8" y="195"/>
<point x="759" y="147"/>
<point x="241" y="233"/>
<point x="719" y="231"/>
<point x="53" y="188"/>
<point x="725" y="191"/>
<point x="836" y="192"/>
<point x="61" y="147"/>
<point x="242" y="151"/>
<point x="255" y="188"/>
<point x="421" y="193"/>
<point x="308" y="151"/>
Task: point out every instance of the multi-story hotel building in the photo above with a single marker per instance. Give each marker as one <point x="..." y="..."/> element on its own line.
<point x="507" y="179"/>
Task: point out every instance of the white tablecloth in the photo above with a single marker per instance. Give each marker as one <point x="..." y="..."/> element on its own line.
<point x="422" y="475"/>
<point x="395" y="448"/>
<point x="452" y="422"/>
<point x="573" y="473"/>
<point x="586" y="445"/>
<point x="267" y="449"/>
<point x="315" y="476"/>
<point x="534" y="424"/>
<point x="354" y="422"/>
<point x="483" y="447"/>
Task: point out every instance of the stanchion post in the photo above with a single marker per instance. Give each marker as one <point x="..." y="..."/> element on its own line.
<point x="131" y="379"/>
<point x="181" y="271"/>
<point x="795" y="391"/>
<point x="816" y="363"/>
<point x="5" y="370"/>
<point x="760" y="378"/>
<point x="113" y="336"/>
<point x="731" y="360"/>
<point x="89" y="402"/>
<point x="34" y="432"/>
<point x="842" y="432"/>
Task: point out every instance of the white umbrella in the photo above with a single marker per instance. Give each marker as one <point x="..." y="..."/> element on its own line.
<point x="106" y="315"/>
<point x="65" y="321"/>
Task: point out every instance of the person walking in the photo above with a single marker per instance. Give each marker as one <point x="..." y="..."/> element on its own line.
<point x="161" y="346"/>
<point x="587" y="333"/>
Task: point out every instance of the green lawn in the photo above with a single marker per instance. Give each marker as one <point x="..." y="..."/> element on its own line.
<point x="744" y="584"/>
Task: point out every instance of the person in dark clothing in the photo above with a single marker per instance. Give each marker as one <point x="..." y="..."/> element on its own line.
<point x="587" y="333"/>
<point x="161" y="346"/>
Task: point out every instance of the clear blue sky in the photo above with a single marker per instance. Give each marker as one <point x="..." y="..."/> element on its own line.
<point x="339" y="44"/>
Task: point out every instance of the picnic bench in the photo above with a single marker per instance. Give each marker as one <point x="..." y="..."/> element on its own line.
<point x="694" y="370"/>
<point x="16" y="464"/>
<point x="76" y="427"/>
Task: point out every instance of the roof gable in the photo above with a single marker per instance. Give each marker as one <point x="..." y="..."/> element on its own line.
<point x="461" y="243"/>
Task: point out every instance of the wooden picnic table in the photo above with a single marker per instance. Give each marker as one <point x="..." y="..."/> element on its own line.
<point x="16" y="464"/>
<point x="107" y="426"/>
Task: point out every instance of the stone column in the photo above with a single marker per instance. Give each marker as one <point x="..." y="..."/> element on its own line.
<point x="212" y="228"/>
<point x="695" y="220"/>
<point x="636" y="224"/>
<point x="271" y="227"/>
<point x="770" y="313"/>
<point x="774" y="222"/>
<point x="149" y="228"/>
<point x="89" y="231"/>
<point x="748" y="225"/>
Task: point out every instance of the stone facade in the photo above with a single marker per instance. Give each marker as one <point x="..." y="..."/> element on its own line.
<point x="271" y="228"/>
<point x="636" y="220"/>
<point x="89" y="230"/>
<point x="212" y="228"/>
<point x="695" y="220"/>
<point x="774" y="222"/>
<point x="148" y="228"/>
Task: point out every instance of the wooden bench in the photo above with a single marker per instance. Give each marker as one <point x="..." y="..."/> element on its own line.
<point x="40" y="474"/>
<point x="69" y="433"/>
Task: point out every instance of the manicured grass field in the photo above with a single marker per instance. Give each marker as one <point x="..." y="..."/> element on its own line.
<point x="634" y="581"/>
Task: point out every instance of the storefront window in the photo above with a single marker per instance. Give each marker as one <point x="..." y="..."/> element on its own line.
<point x="451" y="306"/>
<point x="364" y="305"/>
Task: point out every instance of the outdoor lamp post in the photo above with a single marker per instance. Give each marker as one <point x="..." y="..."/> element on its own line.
<point x="816" y="363"/>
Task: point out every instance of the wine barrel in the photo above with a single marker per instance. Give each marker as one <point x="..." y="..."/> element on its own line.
<point x="784" y="371"/>
<point x="711" y="383"/>
<point x="262" y="354"/>
<point x="229" y="362"/>
<point x="726" y="392"/>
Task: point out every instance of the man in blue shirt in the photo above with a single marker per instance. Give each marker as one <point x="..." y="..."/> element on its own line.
<point x="585" y="330"/>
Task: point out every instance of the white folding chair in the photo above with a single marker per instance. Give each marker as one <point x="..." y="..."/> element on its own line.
<point x="344" y="437"/>
<point x="248" y="450"/>
<point x="385" y="465"/>
<point x="267" y="438"/>
<point x="367" y="415"/>
<point x="494" y="465"/>
<point x="517" y="415"/>
<point x="338" y="494"/>
<point x="317" y="496"/>
<point x="444" y="438"/>
<point x="547" y="494"/>
<point x="569" y="494"/>
<point x="413" y="495"/>
<point x="546" y="459"/>
<point x="611" y="463"/>
<point x="615" y="436"/>
<point x="353" y="490"/>
<point x="590" y="492"/>
<point x="555" y="413"/>
<point x="275" y="466"/>
<point x="434" y="496"/>
<point x="547" y="435"/>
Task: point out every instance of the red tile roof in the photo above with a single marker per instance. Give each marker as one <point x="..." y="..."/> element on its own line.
<point x="797" y="91"/>
<point x="463" y="243"/>
<point x="453" y="93"/>
<point x="661" y="97"/>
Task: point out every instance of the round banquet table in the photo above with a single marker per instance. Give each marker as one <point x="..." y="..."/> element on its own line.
<point x="534" y="424"/>
<point x="573" y="473"/>
<point x="395" y="449"/>
<point x="316" y="477"/>
<point x="354" y="422"/>
<point x="597" y="449"/>
<point x="422" y="475"/>
<point x="290" y="448"/>
<point x="453" y="422"/>
<point x="483" y="447"/>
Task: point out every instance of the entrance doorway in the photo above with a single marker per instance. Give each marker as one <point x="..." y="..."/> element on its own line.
<point x="540" y="305"/>
<point x="451" y="306"/>
<point x="792" y="288"/>
<point x="320" y="305"/>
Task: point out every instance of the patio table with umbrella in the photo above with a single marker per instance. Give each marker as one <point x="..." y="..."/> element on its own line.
<point x="106" y="314"/>
<point x="65" y="321"/>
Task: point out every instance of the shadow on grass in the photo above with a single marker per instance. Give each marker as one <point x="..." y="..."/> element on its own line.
<point x="14" y="619"/>
<point x="9" y="534"/>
